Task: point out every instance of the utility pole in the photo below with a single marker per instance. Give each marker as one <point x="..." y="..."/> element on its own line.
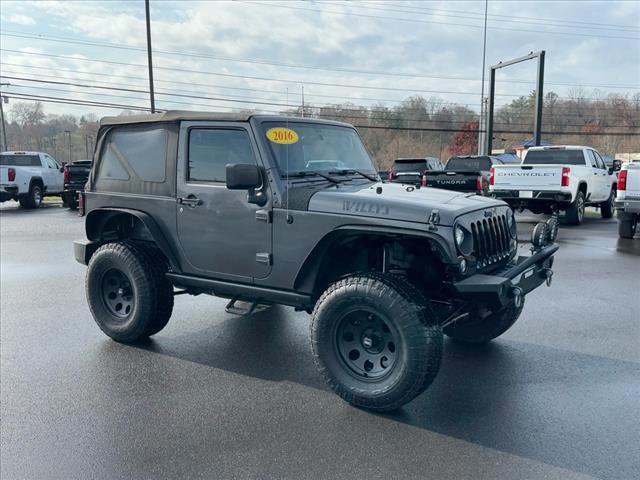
<point x="149" y="59"/>
<point x="302" y="114"/>
<point x="86" y="145"/>
<point x="68" y="132"/>
<point x="482" y="122"/>
<point x="5" y="145"/>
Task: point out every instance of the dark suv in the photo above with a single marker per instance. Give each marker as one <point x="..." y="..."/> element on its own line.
<point x="274" y="210"/>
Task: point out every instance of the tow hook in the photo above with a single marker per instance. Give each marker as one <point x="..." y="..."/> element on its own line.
<point x="548" y="273"/>
<point x="518" y="296"/>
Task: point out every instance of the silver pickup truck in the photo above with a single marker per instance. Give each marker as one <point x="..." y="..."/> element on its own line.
<point x="628" y="199"/>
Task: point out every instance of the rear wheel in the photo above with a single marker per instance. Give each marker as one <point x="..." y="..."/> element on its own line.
<point x="575" y="212"/>
<point x="128" y="293"/>
<point x="627" y="225"/>
<point x="481" y="330"/>
<point x="607" y="208"/>
<point x="33" y="199"/>
<point x="375" y="340"/>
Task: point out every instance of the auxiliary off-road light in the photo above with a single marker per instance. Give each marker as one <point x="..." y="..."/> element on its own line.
<point x="540" y="235"/>
<point x="462" y="266"/>
<point x="554" y="226"/>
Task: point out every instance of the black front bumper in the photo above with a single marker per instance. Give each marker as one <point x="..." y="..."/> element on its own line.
<point x="516" y="279"/>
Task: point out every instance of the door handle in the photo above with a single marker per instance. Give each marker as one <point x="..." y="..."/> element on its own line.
<point x="190" y="201"/>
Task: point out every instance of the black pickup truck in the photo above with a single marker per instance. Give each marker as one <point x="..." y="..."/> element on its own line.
<point x="411" y="170"/>
<point x="75" y="177"/>
<point x="464" y="174"/>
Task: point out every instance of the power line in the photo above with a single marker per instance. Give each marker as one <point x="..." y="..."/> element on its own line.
<point x="67" y="40"/>
<point x="512" y="19"/>
<point x="340" y="113"/>
<point x="270" y="79"/>
<point x="231" y="98"/>
<point x="458" y="25"/>
<point x="48" y="99"/>
<point x="209" y="85"/>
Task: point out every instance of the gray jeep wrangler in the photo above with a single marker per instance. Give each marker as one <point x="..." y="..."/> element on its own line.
<point x="275" y="210"/>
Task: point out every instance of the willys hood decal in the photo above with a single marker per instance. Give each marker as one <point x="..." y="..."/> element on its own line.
<point x="398" y="202"/>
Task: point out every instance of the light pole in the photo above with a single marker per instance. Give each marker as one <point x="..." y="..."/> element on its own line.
<point x="151" y="96"/>
<point x="68" y="132"/>
<point x="5" y="146"/>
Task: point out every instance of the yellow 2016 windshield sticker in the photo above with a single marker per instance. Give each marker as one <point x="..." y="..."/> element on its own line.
<point x="283" y="136"/>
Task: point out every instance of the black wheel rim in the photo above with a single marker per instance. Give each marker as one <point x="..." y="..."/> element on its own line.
<point x="117" y="293"/>
<point x="367" y="344"/>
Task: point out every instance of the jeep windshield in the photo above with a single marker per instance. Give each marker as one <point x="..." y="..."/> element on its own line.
<point x="307" y="149"/>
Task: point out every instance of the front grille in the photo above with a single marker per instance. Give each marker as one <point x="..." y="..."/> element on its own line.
<point x="491" y="240"/>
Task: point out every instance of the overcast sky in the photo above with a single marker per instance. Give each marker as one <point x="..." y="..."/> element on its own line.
<point x="380" y="52"/>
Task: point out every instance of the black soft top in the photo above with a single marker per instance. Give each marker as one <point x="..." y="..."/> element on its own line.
<point x="186" y="115"/>
<point x="174" y="116"/>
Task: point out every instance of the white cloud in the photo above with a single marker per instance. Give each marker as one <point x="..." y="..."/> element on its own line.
<point x="20" y="19"/>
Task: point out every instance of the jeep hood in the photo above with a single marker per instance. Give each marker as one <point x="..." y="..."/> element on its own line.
<point x="398" y="202"/>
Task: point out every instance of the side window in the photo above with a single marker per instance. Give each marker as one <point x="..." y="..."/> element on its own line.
<point x="142" y="151"/>
<point x="599" y="161"/>
<point x="50" y="162"/>
<point x="592" y="159"/>
<point x="210" y="150"/>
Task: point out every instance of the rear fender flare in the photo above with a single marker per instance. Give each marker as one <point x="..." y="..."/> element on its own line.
<point x="97" y="219"/>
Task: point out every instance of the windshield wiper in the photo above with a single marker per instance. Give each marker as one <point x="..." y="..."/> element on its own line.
<point x="310" y="173"/>
<point x="347" y="171"/>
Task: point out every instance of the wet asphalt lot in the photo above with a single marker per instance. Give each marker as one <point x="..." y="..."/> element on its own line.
<point x="217" y="396"/>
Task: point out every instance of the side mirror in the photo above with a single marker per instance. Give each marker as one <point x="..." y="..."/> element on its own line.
<point x="617" y="165"/>
<point x="243" y="176"/>
<point x="61" y="169"/>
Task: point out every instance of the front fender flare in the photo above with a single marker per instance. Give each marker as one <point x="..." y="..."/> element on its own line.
<point x="309" y="269"/>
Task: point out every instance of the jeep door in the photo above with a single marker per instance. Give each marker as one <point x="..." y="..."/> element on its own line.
<point x="221" y="234"/>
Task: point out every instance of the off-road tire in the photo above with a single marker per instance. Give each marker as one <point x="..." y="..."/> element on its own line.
<point x="152" y="293"/>
<point x="607" y="207"/>
<point x="483" y="330"/>
<point x="574" y="215"/>
<point x="627" y="225"/>
<point x="33" y="199"/>
<point x="419" y="340"/>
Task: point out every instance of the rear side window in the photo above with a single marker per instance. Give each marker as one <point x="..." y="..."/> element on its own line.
<point x="549" y="157"/>
<point x="139" y="151"/>
<point x="12" y="160"/>
<point x="210" y="150"/>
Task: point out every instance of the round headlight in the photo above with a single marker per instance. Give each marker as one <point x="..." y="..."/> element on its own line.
<point x="459" y="235"/>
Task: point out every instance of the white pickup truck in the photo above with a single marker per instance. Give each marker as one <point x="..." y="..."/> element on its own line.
<point x="628" y="199"/>
<point x="557" y="179"/>
<point x="28" y="177"/>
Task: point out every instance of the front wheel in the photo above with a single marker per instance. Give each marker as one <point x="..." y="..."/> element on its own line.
<point x="627" y="225"/>
<point x="375" y="341"/>
<point x="608" y="207"/>
<point x="476" y="329"/>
